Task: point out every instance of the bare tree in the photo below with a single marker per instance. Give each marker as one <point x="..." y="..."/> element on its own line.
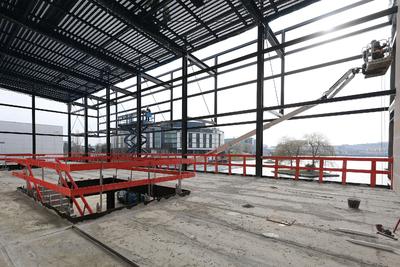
<point x="318" y="145"/>
<point x="290" y="147"/>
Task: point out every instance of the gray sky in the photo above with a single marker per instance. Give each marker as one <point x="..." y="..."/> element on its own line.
<point x="300" y="87"/>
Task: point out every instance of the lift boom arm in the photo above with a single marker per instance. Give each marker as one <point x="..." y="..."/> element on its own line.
<point x="332" y="92"/>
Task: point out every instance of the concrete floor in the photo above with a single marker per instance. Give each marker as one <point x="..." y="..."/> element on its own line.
<point x="208" y="228"/>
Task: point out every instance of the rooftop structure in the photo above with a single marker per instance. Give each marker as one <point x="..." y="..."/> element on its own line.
<point x="159" y="85"/>
<point x="209" y="227"/>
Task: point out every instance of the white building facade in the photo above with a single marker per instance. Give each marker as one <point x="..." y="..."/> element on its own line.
<point x="20" y="141"/>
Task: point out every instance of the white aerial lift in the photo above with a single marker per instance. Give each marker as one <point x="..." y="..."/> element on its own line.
<point x="377" y="58"/>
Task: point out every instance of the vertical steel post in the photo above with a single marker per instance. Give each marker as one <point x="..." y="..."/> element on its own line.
<point x="139" y="114"/>
<point x="108" y="128"/>
<point x="184" y="135"/>
<point x="215" y="91"/>
<point x="395" y="183"/>
<point x="392" y="97"/>
<point x="171" y="104"/>
<point x="282" y="111"/>
<point x="98" y="118"/>
<point x="33" y="124"/>
<point x="86" y="130"/>
<point x="116" y="119"/>
<point x="260" y="100"/>
<point x="69" y="130"/>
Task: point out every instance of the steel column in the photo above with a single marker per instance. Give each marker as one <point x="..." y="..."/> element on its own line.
<point x="171" y="107"/>
<point x="282" y="111"/>
<point x="98" y="119"/>
<point x="108" y="128"/>
<point x="216" y="91"/>
<point x="69" y="130"/>
<point x="260" y="100"/>
<point x="392" y="97"/>
<point x="116" y="116"/>
<point x="139" y="114"/>
<point x="33" y="124"/>
<point x="110" y="200"/>
<point x="184" y="136"/>
<point x="86" y="130"/>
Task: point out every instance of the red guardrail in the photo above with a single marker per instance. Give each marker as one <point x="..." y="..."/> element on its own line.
<point x="321" y="167"/>
<point x="244" y="164"/>
<point x="212" y="162"/>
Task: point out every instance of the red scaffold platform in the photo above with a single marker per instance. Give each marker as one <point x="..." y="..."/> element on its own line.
<point x="77" y="190"/>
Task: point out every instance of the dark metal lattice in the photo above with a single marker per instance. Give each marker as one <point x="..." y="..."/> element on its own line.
<point x="58" y="49"/>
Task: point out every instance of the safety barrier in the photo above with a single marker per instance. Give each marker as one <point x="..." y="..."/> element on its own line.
<point x="273" y="166"/>
<point x="62" y="169"/>
<point x="325" y="169"/>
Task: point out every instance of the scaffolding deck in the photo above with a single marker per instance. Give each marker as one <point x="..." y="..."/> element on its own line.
<point x="156" y="170"/>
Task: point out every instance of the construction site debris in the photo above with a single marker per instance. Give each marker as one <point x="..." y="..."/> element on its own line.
<point x="373" y="245"/>
<point x="354" y="232"/>
<point x="354" y="203"/>
<point x="280" y="221"/>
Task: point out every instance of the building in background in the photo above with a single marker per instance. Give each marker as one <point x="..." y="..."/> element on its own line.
<point x="247" y="146"/>
<point x="166" y="138"/>
<point x="15" y="138"/>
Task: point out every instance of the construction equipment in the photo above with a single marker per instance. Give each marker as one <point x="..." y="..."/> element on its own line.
<point x="377" y="58"/>
<point x="333" y="91"/>
<point x="128" y="123"/>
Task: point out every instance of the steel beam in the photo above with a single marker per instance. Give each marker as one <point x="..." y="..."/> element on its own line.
<point x="301" y="39"/>
<point x="257" y="15"/>
<point x="392" y="97"/>
<point x="86" y="130"/>
<point x="58" y="37"/>
<point x="108" y="130"/>
<point x="260" y="100"/>
<point x="40" y="83"/>
<point x="139" y="114"/>
<point x="184" y="136"/>
<point x="171" y="103"/>
<point x="216" y="92"/>
<point x="312" y="116"/>
<point x="136" y="22"/>
<point x="63" y="70"/>
<point x="154" y="80"/>
<point x="299" y="104"/>
<point x="325" y="15"/>
<point x="282" y="111"/>
<point x="69" y="129"/>
<point x="26" y="90"/>
<point x="33" y="124"/>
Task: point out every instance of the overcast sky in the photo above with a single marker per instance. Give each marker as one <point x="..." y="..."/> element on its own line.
<point x="299" y="87"/>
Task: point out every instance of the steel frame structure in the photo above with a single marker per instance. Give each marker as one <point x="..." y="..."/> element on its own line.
<point x="159" y="48"/>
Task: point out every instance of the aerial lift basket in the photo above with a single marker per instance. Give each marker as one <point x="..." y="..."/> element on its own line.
<point x="377" y="58"/>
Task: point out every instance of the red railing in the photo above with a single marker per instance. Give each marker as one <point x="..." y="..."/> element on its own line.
<point x="66" y="168"/>
<point x="244" y="164"/>
<point x="320" y="166"/>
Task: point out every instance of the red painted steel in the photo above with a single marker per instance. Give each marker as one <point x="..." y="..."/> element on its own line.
<point x="344" y="171"/>
<point x="209" y="160"/>
<point x="78" y="162"/>
<point x="64" y="166"/>
<point x="321" y="170"/>
<point x="128" y="184"/>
